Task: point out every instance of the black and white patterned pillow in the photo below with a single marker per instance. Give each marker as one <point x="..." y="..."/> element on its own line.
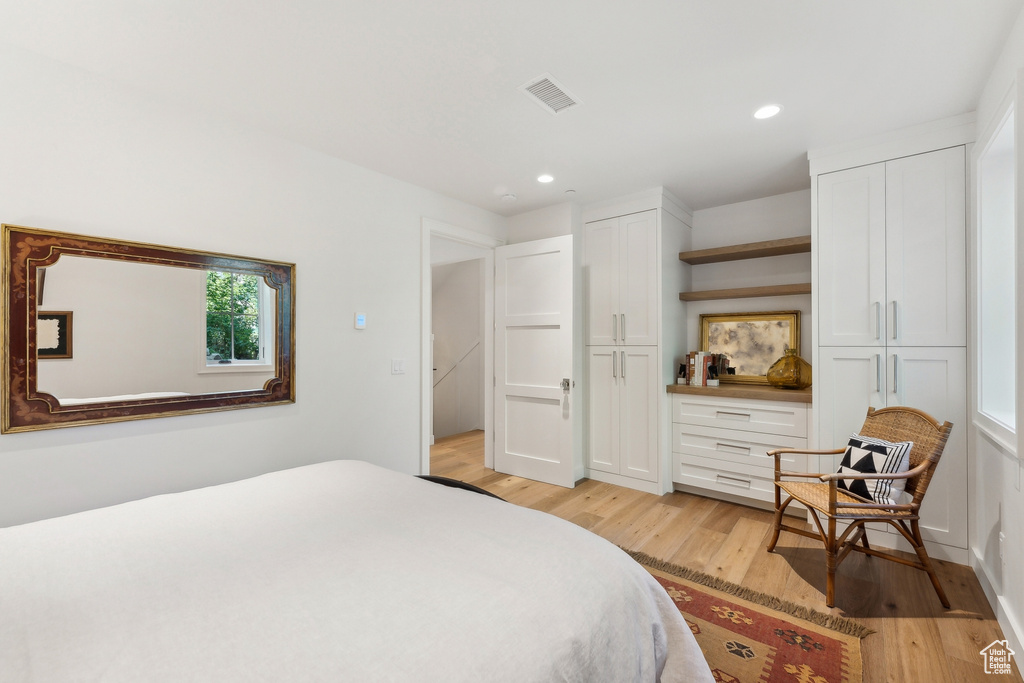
<point x="866" y="455"/>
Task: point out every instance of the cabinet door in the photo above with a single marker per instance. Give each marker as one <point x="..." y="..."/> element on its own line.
<point x="638" y="279"/>
<point x="934" y="379"/>
<point x="603" y="378"/>
<point x="638" y="436"/>
<point x="601" y="274"/>
<point x="850" y="380"/>
<point x="851" y="257"/>
<point x="926" y="243"/>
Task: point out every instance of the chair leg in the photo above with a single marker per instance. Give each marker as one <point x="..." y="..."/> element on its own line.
<point x="830" y="564"/>
<point x="779" y="509"/>
<point x="922" y="555"/>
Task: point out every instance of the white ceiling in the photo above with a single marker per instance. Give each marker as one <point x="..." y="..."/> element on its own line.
<point x="427" y="91"/>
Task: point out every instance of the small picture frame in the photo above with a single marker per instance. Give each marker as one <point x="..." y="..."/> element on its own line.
<point x="53" y="334"/>
<point x="752" y="341"/>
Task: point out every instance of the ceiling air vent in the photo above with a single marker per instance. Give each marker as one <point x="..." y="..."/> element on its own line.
<point x="549" y="94"/>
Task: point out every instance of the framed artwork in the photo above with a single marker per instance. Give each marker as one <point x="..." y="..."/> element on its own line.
<point x="752" y="341"/>
<point x="53" y="334"/>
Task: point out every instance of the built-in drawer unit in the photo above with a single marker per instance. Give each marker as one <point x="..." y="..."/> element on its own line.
<point x="767" y="417"/>
<point x="721" y="444"/>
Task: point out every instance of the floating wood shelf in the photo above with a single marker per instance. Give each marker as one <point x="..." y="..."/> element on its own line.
<point x="746" y="292"/>
<point x="738" y="252"/>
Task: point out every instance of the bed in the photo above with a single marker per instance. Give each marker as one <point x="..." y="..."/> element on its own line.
<point x="339" y="571"/>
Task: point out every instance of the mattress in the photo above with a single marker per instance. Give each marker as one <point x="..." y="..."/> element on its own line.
<point x="339" y="571"/>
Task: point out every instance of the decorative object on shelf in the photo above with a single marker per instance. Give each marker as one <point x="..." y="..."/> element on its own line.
<point x="53" y="334"/>
<point x="752" y="341"/>
<point x="790" y="372"/>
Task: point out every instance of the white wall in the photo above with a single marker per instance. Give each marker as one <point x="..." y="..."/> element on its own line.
<point x="996" y="500"/>
<point x="457" y="308"/>
<point x="85" y="156"/>
<point x="784" y="215"/>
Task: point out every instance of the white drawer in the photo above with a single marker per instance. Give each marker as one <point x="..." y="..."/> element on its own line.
<point x="769" y="417"/>
<point x="746" y="448"/>
<point x="752" y="486"/>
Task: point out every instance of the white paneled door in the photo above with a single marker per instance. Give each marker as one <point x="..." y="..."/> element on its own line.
<point x="533" y="360"/>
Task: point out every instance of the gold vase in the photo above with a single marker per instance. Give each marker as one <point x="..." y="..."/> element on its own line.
<point x="790" y="372"/>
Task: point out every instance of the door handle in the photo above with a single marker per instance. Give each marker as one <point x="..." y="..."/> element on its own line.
<point x="878" y="320"/>
<point x="878" y="373"/>
<point x="623" y="326"/>
<point x="623" y="364"/>
<point x="615" y="372"/>
<point x="615" y="327"/>
<point x="565" y="384"/>
<point x="895" y="320"/>
<point x="895" y="373"/>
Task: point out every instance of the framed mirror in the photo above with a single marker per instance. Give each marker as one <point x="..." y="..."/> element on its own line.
<point x="157" y="331"/>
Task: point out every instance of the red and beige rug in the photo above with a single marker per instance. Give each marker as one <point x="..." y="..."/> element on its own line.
<point x="746" y="642"/>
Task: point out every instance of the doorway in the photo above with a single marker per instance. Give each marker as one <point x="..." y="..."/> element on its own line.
<point x="444" y="245"/>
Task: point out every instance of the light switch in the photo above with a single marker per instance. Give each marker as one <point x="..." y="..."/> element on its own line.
<point x="397" y="366"/>
<point x="360" y="321"/>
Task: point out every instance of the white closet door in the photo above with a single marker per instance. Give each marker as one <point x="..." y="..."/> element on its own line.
<point x="638" y="440"/>
<point x="926" y="243"/>
<point x="851" y="257"/>
<point x="850" y="380"/>
<point x="601" y="274"/>
<point x="603" y="379"/>
<point x="932" y="379"/>
<point x="638" y="279"/>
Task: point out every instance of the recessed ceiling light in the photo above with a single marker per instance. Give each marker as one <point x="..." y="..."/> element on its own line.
<point x="545" y="178"/>
<point x="508" y="197"/>
<point x="767" y="111"/>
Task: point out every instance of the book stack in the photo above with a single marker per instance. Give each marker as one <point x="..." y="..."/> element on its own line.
<point x="703" y="369"/>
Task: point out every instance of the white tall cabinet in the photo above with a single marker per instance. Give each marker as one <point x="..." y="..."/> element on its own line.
<point x="889" y="298"/>
<point x="633" y="322"/>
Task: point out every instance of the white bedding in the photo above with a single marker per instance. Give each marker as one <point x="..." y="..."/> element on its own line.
<point x="340" y="571"/>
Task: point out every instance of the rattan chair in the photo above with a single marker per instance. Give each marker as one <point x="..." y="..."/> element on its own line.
<point x="823" y="496"/>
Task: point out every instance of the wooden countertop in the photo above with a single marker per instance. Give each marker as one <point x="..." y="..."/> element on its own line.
<point x="761" y="392"/>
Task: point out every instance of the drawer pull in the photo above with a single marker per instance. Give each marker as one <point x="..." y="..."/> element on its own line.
<point x="745" y="416"/>
<point x="733" y="481"/>
<point x="719" y="446"/>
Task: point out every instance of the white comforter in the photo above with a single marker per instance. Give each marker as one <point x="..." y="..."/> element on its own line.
<point x="340" y="571"/>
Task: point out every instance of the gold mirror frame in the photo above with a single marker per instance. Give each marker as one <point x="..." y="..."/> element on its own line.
<point x="28" y="251"/>
<point x="763" y="333"/>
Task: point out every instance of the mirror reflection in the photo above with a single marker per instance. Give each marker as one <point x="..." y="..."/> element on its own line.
<point x="141" y="328"/>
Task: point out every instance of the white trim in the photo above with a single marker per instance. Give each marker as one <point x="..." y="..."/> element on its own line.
<point x="1008" y="622"/>
<point x="654" y="198"/>
<point x="431" y="227"/>
<point x="991" y="427"/>
<point x="928" y="137"/>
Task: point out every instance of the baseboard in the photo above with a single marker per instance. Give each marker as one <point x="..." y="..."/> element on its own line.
<point x="1007" y="620"/>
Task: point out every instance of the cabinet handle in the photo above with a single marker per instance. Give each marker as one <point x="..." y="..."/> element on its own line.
<point x="615" y="327"/>
<point x="623" y="326"/>
<point x="878" y="320"/>
<point x="895" y="320"/>
<point x="878" y="373"/>
<point x="725" y="412"/>
<point x="719" y="445"/>
<point x="733" y="481"/>
<point x="615" y="372"/>
<point x="895" y="373"/>
<point x="623" y="364"/>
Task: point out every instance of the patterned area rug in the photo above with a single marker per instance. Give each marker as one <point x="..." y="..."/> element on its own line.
<point x="746" y="642"/>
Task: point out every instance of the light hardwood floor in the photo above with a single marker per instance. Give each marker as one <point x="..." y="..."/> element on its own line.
<point x="915" y="640"/>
